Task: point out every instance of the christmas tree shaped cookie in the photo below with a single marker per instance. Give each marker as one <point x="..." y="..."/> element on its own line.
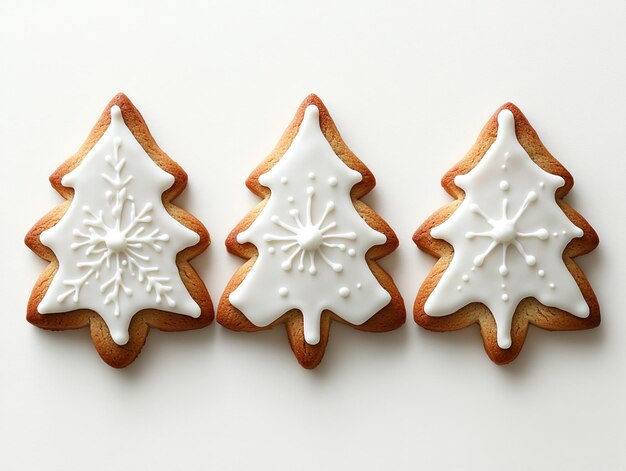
<point x="118" y="248"/>
<point x="506" y="244"/>
<point x="312" y="244"/>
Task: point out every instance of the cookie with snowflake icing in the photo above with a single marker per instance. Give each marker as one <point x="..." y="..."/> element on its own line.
<point x="118" y="248"/>
<point x="506" y="244"/>
<point x="312" y="244"/>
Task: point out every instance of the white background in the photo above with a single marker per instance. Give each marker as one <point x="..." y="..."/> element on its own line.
<point x="409" y="84"/>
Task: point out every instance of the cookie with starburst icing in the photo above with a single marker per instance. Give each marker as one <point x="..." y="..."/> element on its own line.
<point x="506" y="245"/>
<point x="311" y="244"/>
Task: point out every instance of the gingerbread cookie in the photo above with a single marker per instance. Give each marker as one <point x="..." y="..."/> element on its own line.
<point x="118" y="248"/>
<point x="312" y="244"/>
<point x="506" y="244"/>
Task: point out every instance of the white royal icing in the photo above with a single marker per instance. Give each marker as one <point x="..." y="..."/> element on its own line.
<point x="508" y="236"/>
<point x="116" y="244"/>
<point x="311" y="241"/>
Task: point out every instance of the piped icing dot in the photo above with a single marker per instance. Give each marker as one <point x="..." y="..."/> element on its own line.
<point x="283" y="180"/>
<point x="271" y="250"/>
<point x="311" y="175"/>
<point x="459" y="288"/>
<point x="351" y="252"/>
<point x="358" y="286"/>
<point x="503" y="167"/>
<point x="344" y="292"/>
<point x="507" y="155"/>
<point x="332" y="181"/>
<point x="283" y="291"/>
<point x="542" y="184"/>
<point x="290" y="199"/>
<point x="541" y="273"/>
<point x="505" y="297"/>
<point x="552" y="285"/>
<point x="504" y="185"/>
<point x="465" y="278"/>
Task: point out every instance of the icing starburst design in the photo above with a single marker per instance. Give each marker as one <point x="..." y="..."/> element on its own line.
<point x="121" y="242"/>
<point x="308" y="239"/>
<point x="503" y="232"/>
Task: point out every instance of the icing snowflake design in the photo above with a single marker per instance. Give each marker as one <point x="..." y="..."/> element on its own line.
<point x="307" y="240"/>
<point x="503" y="232"/>
<point x="123" y="242"/>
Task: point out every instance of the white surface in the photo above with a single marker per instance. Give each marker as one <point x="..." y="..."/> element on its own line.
<point x="410" y="87"/>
